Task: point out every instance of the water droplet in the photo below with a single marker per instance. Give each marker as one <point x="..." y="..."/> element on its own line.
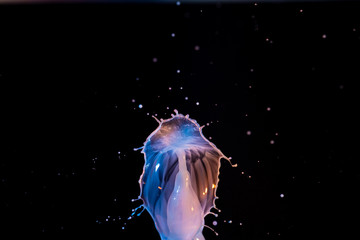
<point x="214" y="223"/>
<point x="140" y="106"/>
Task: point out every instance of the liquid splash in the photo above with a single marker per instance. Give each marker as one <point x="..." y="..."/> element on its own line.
<point x="180" y="178"/>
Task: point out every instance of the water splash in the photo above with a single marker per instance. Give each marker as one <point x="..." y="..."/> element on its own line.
<point x="180" y="177"/>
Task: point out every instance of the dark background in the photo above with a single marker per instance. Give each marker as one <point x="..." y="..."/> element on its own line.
<point x="69" y="75"/>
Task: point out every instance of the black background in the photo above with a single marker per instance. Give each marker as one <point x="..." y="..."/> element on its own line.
<point x="70" y="73"/>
